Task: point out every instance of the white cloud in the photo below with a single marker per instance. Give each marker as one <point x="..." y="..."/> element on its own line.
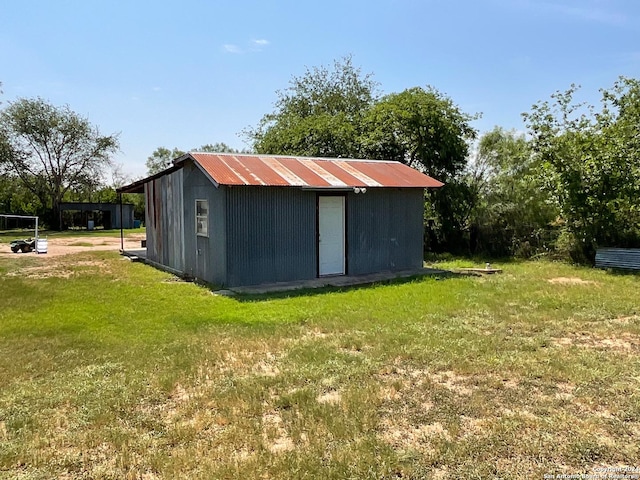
<point x="231" y="48"/>
<point x="256" y="45"/>
<point x="156" y="89"/>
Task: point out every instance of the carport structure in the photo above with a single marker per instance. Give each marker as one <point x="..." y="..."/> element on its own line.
<point x="115" y="215"/>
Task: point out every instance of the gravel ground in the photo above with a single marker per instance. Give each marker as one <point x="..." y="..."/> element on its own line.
<point x="67" y="245"/>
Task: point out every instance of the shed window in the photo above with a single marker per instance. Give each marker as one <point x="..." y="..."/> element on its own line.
<point x="202" y="218"/>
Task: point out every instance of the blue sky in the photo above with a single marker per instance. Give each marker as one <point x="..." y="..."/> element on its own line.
<point x="182" y="74"/>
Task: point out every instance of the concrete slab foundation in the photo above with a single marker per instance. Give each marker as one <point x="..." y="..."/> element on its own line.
<point x="337" y="281"/>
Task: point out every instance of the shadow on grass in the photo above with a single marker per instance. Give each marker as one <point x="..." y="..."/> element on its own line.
<point x="621" y="272"/>
<point x="437" y="258"/>
<point x="306" y="292"/>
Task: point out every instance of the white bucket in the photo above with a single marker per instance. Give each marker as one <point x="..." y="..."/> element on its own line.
<point x="42" y="245"/>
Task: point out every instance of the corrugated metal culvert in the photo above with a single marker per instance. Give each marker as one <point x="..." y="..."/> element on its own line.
<point x="623" y="258"/>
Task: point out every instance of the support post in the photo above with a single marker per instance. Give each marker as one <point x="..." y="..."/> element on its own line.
<point x="121" y="225"/>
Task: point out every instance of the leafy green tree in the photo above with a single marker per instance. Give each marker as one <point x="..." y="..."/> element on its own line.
<point x="337" y="113"/>
<point x="422" y="128"/>
<point x="16" y="199"/>
<point x="52" y="150"/>
<point x="319" y="114"/>
<point x="426" y="130"/>
<point x="512" y="213"/>
<point x="590" y="164"/>
<point x="219" y="147"/>
<point x="161" y="159"/>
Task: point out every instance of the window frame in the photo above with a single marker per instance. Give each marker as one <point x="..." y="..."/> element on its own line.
<point x="202" y="218"/>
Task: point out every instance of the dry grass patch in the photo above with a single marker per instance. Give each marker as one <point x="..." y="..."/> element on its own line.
<point x="440" y="473"/>
<point x="571" y="281"/>
<point x="453" y="382"/>
<point x="622" y="343"/>
<point x="275" y="436"/>
<point x="313" y="334"/>
<point x="475" y="427"/>
<point x="266" y="367"/>
<point x="399" y="433"/>
<point x="414" y="377"/>
<point x="249" y="358"/>
<point x="331" y="398"/>
<point x="62" y="267"/>
<point x="505" y="418"/>
<point x="625" y="320"/>
<point x="411" y="402"/>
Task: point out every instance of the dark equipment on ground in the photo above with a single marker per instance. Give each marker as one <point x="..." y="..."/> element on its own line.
<point x="25" y="246"/>
<point x="28" y="245"/>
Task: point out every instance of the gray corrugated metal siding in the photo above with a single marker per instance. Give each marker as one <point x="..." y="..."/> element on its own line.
<point x="205" y="257"/>
<point x="623" y="258"/>
<point x="384" y="230"/>
<point x="164" y="221"/>
<point x="270" y="235"/>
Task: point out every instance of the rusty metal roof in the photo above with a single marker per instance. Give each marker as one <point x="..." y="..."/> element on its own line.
<point x="290" y="171"/>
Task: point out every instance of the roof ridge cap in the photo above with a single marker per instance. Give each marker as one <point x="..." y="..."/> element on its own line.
<point x="297" y="157"/>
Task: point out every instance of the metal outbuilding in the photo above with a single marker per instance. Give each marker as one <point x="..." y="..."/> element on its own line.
<point x="235" y="220"/>
<point x="114" y="215"/>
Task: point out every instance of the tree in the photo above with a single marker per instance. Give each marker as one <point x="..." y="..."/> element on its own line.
<point x="161" y="159"/>
<point x="426" y="130"/>
<point x="422" y="128"/>
<point x="52" y="149"/>
<point x="16" y="199"/>
<point x="118" y="177"/>
<point x="512" y="214"/>
<point x="218" y="147"/>
<point x="337" y="113"/>
<point x="319" y="114"/>
<point x="589" y="162"/>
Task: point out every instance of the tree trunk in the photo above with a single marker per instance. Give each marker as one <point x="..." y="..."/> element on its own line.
<point x="57" y="215"/>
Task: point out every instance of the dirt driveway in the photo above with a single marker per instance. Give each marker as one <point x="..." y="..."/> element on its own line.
<point x="65" y="245"/>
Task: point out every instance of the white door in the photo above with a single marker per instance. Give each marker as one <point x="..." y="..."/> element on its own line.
<point x="331" y="235"/>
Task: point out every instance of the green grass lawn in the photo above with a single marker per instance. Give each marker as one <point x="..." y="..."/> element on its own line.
<point x="111" y="369"/>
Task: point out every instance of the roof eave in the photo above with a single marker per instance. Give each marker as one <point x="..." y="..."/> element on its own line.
<point x="138" y="185"/>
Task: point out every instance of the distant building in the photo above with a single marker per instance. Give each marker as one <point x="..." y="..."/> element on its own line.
<point x="109" y="215"/>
